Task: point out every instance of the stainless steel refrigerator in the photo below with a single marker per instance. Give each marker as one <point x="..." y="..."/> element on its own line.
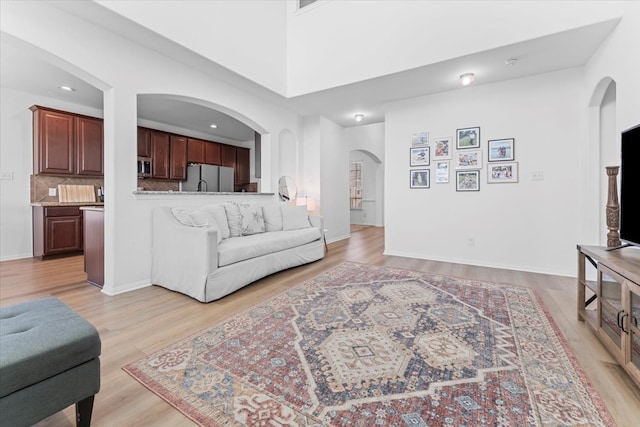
<point x="208" y="178"/>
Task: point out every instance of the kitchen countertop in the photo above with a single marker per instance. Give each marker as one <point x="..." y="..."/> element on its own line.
<point x="49" y="204"/>
<point x="203" y="193"/>
<point x="92" y="208"/>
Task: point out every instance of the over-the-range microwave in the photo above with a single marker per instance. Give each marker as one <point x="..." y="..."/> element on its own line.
<point x="144" y="167"/>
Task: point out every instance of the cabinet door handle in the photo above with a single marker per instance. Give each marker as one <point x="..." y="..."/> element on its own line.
<point x="619" y="322"/>
<point x="635" y="321"/>
<point x="626" y="331"/>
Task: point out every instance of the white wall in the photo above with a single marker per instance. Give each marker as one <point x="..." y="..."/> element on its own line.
<point x="531" y="225"/>
<point x="334" y="180"/>
<point x="415" y="33"/>
<point x="617" y="59"/>
<point x="124" y="70"/>
<point x="247" y="37"/>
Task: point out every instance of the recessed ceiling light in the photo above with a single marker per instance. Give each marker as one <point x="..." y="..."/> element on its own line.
<point x="67" y="88"/>
<point x="511" y="62"/>
<point x="359" y="117"/>
<point x="213" y="126"/>
<point x="466" y="79"/>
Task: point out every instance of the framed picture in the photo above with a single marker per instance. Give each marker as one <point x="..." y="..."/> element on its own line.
<point x="420" y="138"/>
<point x="502" y="173"/>
<point x="468" y="138"/>
<point x="467" y="180"/>
<point x="419" y="156"/>
<point x="471" y="159"/>
<point x="442" y="172"/>
<point x="501" y="150"/>
<point x="419" y="178"/>
<point x="442" y="148"/>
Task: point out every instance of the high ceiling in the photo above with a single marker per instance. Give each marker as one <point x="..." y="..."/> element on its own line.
<point x="25" y="71"/>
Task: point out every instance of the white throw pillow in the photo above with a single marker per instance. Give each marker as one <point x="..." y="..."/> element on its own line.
<point x="294" y="217"/>
<point x="220" y="215"/>
<point x="233" y="218"/>
<point x="196" y="218"/>
<point x="272" y="217"/>
<point x="251" y="219"/>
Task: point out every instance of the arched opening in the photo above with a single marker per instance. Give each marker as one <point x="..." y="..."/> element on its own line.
<point x="603" y="150"/>
<point x="366" y="192"/>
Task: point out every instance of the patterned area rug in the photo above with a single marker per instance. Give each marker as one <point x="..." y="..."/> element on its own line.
<point x="374" y="346"/>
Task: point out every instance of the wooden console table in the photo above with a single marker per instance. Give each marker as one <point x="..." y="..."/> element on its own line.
<point x="609" y="301"/>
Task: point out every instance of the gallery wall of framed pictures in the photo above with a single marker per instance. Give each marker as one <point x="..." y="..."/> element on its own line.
<point x="466" y="159"/>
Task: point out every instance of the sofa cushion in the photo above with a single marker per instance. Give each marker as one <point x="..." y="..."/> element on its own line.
<point x="40" y="339"/>
<point x="220" y="215"/>
<point x="272" y="215"/>
<point x="294" y="217"/>
<point x="242" y="248"/>
<point x="251" y="219"/>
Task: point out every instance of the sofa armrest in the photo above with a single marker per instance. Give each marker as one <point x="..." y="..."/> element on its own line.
<point x="317" y="222"/>
<point x="181" y="256"/>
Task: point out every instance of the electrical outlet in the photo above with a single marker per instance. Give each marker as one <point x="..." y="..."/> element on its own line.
<point x="471" y="241"/>
<point x="537" y="176"/>
<point x="6" y="175"/>
<point x="53" y="191"/>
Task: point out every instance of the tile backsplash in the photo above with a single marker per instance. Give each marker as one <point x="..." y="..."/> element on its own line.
<point x="40" y="185"/>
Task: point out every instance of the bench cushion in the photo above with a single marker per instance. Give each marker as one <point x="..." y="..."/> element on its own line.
<point x="40" y="339"/>
<point x="238" y="249"/>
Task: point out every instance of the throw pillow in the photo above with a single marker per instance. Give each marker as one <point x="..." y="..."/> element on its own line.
<point x="272" y="217"/>
<point x="251" y="219"/>
<point x="196" y="218"/>
<point x="220" y="215"/>
<point x="294" y="217"/>
<point x="233" y="218"/>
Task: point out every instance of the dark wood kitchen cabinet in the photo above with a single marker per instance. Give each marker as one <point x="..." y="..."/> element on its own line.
<point x="242" y="170"/>
<point x="89" y="146"/>
<point x="178" y="158"/>
<point x="57" y="230"/>
<point x="66" y="143"/>
<point x="195" y="150"/>
<point x="160" y="144"/>
<point x="212" y="153"/>
<point x="228" y="155"/>
<point x="144" y="142"/>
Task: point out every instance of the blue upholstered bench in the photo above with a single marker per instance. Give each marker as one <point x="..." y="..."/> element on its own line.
<point x="49" y="360"/>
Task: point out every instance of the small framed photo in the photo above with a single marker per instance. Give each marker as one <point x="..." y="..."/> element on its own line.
<point x="420" y="138"/>
<point x="467" y="180"/>
<point x="419" y="156"/>
<point x="471" y="159"/>
<point x="442" y="172"/>
<point x="468" y="138"/>
<point x="419" y="178"/>
<point x="501" y="150"/>
<point x="442" y="148"/>
<point x="502" y="173"/>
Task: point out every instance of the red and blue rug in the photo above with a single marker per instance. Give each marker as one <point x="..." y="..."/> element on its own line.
<point x="363" y="346"/>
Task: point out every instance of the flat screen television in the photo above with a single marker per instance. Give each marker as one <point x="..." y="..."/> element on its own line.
<point x="630" y="186"/>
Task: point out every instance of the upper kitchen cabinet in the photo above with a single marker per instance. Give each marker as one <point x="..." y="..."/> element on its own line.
<point x="242" y="167"/>
<point x="178" y="158"/>
<point x="212" y="153"/>
<point x="144" y="142"/>
<point x="66" y="143"/>
<point x="89" y="146"/>
<point x="159" y="154"/>
<point x="195" y="150"/>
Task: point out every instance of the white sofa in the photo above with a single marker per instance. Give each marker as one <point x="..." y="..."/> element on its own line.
<point x="210" y="251"/>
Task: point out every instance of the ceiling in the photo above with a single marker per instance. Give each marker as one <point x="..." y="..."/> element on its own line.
<point x="23" y="70"/>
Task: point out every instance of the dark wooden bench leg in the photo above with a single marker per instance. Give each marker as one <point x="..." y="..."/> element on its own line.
<point x="84" y="408"/>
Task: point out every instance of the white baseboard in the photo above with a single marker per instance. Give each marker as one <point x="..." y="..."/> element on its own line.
<point x="111" y="291"/>
<point x="15" y="256"/>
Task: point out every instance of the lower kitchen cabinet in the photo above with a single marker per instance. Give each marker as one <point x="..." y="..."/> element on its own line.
<point x="57" y="230"/>
<point x="94" y="245"/>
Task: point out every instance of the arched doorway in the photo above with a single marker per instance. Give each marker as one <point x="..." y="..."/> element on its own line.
<point x="367" y="172"/>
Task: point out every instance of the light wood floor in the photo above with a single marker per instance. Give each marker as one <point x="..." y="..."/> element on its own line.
<point x="138" y="323"/>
